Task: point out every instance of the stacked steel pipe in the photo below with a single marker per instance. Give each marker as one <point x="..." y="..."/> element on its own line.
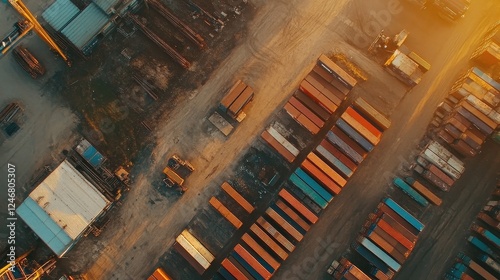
<point x="162" y="44"/>
<point x="28" y="62"/>
<point x="8" y="113"/>
<point x="186" y="30"/>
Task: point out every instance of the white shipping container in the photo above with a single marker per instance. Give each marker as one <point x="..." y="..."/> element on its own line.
<point x="439" y="162"/>
<point x="192" y="251"/>
<point x="283" y="141"/>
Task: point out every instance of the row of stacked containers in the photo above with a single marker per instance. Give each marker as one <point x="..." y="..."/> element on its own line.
<point x="483" y="259"/>
<point x="321" y="175"/>
<point x="384" y="244"/>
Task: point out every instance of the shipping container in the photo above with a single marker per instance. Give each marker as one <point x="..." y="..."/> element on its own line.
<point x="391" y="240"/>
<point x="482" y="246"/>
<point x="442" y="164"/>
<point x="232" y="94"/>
<point x="488" y="235"/>
<point x="445" y="136"/>
<point x="311" y="193"/>
<point x="261" y="270"/>
<point x="351" y="132"/>
<point x="327" y="88"/>
<point x="463" y="148"/>
<point x="312" y="105"/>
<point x="476" y="267"/>
<point x="491" y="82"/>
<point x="321" y="177"/>
<point x="350" y="164"/>
<point x="404" y="214"/>
<point x="239" y="266"/>
<point x="317" y="96"/>
<point x="423" y="190"/>
<point x="277" y="146"/>
<point x="385" y="246"/>
<point x="381" y="121"/>
<point x="233" y="270"/>
<point x="225" y="212"/>
<point x="284" y="224"/>
<point x="471" y="140"/>
<point x="387" y="259"/>
<point x="238" y="104"/>
<point x="270" y="260"/>
<point x="313" y="184"/>
<point x="349" y="151"/>
<point x="272" y="231"/>
<point x="285" y="143"/>
<point x="305" y="122"/>
<point x="484" y="118"/>
<point x="361" y="125"/>
<point x="159" y="274"/>
<point x="491" y="263"/>
<point x="297" y="205"/>
<point x="446" y="155"/>
<point x="194" y="262"/>
<point x="457" y="124"/>
<point x="342" y="76"/>
<point x="345" y="138"/>
<point x="383" y="223"/>
<point x="325" y="91"/>
<point x="333" y="161"/>
<point x="400" y="220"/>
<point x="237" y="197"/>
<point x="452" y="130"/>
<point x="306" y="111"/>
<point x="323" y="166"/>
<point x="430" y="177"/>
<point x="352" y="271"/>
<point x="225" y="274"/>
<point x="293" y="215"/>
<point x="372" y="259"/>
<point x="474" y="120"/>
<point x="478" y="104"/>
<point x="288" y="219"/>
<point x="269" y="242"/>
<point x="378" y="274"/>
<point x="398" y="182"/>
<point x="489" y="221"/>
<point x="461" y="119"/>
<point x="248" y="267"/>
<point x="198" y="246"/>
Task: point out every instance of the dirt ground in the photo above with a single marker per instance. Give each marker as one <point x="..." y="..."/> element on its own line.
<point x="47" y="125"/>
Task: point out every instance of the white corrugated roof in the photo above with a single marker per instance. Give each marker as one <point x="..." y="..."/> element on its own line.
<point x="85" y="26"/>
<point x="69" y="199"/>
<point x="60" y="13"/>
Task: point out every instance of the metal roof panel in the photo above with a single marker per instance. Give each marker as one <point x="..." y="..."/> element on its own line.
<point x="85" y="26"/>
<point x="60" y="13"/>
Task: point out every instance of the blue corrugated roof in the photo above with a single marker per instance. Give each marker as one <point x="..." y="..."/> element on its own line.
<point x="43" y="225"/>
<point x="85" y="26"/>
<point x="60" y="13"/>
<point x="106" y="5"/>
<point x="93" y="156"/>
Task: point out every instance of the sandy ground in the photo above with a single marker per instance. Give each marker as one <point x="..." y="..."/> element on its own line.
<point x="285" y="38"/>
<point x="46" y="125"/>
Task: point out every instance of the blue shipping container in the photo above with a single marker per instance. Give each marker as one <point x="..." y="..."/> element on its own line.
<point x="313" y="184"/>
<point x="224" y="273"/>
<point x="398" y="182"/>
<point x="355" y="135"/>
<point x="491" y="237"/>
<point x="393" y="264"/>
<point x="371" y="258"/>
<point x="482" y="246"/>
<point x="308" y="191"/>
<point x="404" y="214"/>
<point x="486" y="78"/>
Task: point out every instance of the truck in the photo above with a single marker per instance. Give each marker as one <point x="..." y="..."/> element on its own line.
<point x="402" y="185"/>
<point x="404" y="214"/>
<point x="475" y="266"/>
<point x="423" y="190"/>
<point x="176" y="171"/>
<point x="452" y="9"/>
<point x="482" y="246"/>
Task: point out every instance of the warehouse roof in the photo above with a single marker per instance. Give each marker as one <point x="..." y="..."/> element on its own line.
<point x="106" y="5"/>
<point x="60" y="13"/>
<point x="85" y="26"/>
<point x="61" y="208"/>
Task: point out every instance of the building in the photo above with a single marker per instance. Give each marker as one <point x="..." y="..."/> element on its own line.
<point x="62" y="208"/>
<point x="84" y="28"/>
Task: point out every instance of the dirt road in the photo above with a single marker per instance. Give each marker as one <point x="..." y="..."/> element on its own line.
<point x="285" y="38"/>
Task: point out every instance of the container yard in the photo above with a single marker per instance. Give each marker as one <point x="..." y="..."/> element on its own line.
<point x="217" y="139"/>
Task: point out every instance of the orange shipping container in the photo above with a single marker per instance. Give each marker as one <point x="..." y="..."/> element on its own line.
<point x="364" y="122"/>
<point x="284" y="224"/>
<point x="225" y="212"/>
<point x="311" y="104"/>
<point x="323" y="166"/>
<point x="232" y="94"/>
<point x="308" y="89"/>
<point x="233" y="270"/>
<point x="297" y="205"/>
<point x="321" y="177"/>
<point x="260" y="251"/>
<point x="277" y="146"/>
<point x="305" y="111"/>
<point x="252" y="262"/>
<point x="269" y="241"/>
<point x="293" y="215"/>
<point x="237" y="197"/>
